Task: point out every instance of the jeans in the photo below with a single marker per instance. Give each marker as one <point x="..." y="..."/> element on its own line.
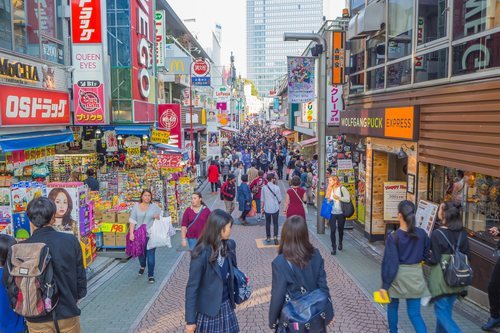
<point x="275" y="218"/>
<point x="230" y="205"/>
<point x="191" y="242"/>
<point x="443" y="308"/>
<point x="257" y="202"/>
<point x="334" y="219"/>
<point x="280" y="171"/>
<point x="148" y="258"/>
<point x="413" y="309"/>
<point x="494" y="291"/>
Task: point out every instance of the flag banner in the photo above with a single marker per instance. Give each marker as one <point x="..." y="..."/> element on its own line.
<point x="300" y="79"/>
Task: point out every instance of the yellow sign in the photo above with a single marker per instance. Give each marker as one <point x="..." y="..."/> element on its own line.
<point x="160" y="136"/>
<point x="134" y="151"/>
<point x="114" y="227"/>
<point x="184" y="180"/>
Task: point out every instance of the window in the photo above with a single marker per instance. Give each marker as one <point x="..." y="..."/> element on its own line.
<point x="357" y="61"/>
<point x="356" y="83"/>
<point x="5" y="25"/>
<point x="356" y="5"/>
<point x="431" y="22"/>
<point x="26" y="38"/>
<point x="431" y="66"/>
<point x="375" y="79"/>
<point x="399" y="74"/>
<point x="47" y="17"/>
<point x="400" y="28"/>
<point x="376" y="50"/>
<point x="473" y="16"/>
<point x="477" y="54"/>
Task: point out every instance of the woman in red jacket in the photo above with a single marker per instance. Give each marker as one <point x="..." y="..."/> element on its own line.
<point x="213" y="176"/>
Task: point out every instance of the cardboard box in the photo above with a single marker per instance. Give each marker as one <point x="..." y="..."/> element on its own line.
<point x="109" y="217"/>
<point x="98" y="215"/>
<point x="121" y="240"/>
<point x="122" y="217"/>
<point x="109" y="239"/>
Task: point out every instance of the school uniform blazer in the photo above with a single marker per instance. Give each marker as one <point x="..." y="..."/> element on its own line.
<point x="205" y="286"/>
<point x="311" y="277"/>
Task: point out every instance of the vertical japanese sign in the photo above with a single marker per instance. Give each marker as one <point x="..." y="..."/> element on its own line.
<point x="88" y="60"/>
<point x="160" y="37"/>
<point x="335" y="105"/>
<point x="338" y="63"/>
<point x="300" y="79"/>
<point x="309" y="112"/>
<point x="169" y="119"/>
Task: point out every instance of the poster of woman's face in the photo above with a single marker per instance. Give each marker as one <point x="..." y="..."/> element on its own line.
<point x="64" y="209"/>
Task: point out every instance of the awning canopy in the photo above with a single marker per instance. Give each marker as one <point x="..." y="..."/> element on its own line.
<point x="22" y="141"/>
<point x="169" y="148"/>
<point x="308" y="142"/>
<point x="138" y="130"/>
<point x="229" y="129"/>
<point x="287" y="132"/>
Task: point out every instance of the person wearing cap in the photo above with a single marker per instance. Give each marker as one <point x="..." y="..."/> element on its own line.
<point x="228" y="193"/>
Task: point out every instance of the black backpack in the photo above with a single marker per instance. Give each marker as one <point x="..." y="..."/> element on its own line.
<point x="457" y="270"/>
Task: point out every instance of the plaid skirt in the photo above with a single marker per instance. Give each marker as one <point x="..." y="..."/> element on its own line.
<point x="224" y="322"/>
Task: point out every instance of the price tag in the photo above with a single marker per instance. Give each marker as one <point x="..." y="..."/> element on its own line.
<point x="134" y="151"/>
<point x="114" y="227"/>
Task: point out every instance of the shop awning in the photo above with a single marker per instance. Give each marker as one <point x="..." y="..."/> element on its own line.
<point x="138" y="130"/>
<point x="308" y="142"/>
<point x="229" y="129"/>
<point x="169" y="148"/>
<point x="22" y="141"/>
<point x="287" y="132"/>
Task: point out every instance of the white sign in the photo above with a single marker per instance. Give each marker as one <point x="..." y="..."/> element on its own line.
<point x="309" y="112"/>
<point x="394" y="193"/>
<point x="335" y="105"/>
<point x="426" y="215"/>
<point x="344" y="164"/>
<point x="87" y="61"/>
<point x="222" y="93"/>
<point x="160" y="37"/>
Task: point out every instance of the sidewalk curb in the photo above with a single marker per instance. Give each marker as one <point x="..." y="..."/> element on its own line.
<point x="141" y="315"/>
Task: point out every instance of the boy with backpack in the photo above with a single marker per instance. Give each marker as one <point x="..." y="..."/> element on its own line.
<point x="54" y="260"/>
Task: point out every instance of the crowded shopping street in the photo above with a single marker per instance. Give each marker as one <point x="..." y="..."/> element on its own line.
<point x="227" y="166"/>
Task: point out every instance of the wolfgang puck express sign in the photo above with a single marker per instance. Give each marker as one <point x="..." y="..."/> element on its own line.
<point x="397" y="123"/>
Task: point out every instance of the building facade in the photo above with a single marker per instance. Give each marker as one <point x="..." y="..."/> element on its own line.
<point x="424" y="110"/>
<point x="267" y="20"/>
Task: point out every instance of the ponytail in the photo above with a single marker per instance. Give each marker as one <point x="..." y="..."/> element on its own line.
<point x="407" y="209"/>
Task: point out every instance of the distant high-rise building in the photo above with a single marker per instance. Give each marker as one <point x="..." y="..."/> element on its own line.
<point x="267" y="20"/>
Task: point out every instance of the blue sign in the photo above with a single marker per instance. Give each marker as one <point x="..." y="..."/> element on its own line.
<point x="200" y="81"/>
<point x="276" y="106"/>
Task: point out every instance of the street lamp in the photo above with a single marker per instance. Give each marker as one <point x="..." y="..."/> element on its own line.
<point x="321" y="41"/>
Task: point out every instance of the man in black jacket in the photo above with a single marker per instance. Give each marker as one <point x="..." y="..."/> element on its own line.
<point x="67" y="262"/>
<point x="228" y="193"/>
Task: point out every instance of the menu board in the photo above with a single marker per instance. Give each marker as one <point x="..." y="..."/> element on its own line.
<point x="394" y="193"/>
<point x="426" y="215"/>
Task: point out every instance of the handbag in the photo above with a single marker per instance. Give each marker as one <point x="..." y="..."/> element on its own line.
<point x="326" y="208"/>
<point x="347" y="207"/>
<point x="302" y="202"/>
<point x="309" y="312"/>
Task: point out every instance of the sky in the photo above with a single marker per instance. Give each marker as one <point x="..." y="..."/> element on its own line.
<point x="231" y="14"/>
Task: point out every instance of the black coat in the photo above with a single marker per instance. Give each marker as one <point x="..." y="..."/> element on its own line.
<point x="205" y="285"/>
<point x="312" y="277"/>
<point x="69" y="274"/>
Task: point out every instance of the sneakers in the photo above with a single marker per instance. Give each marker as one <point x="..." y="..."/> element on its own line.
<point x="268" y="240"/>
<point x="141" y="271"/>
<point x="334" y="252"/>
<point x="491" y="324"/>
<point x="276" y="241"/>
<point x="151" y="280"/>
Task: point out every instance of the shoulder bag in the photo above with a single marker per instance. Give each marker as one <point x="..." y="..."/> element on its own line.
<point x="279" y="201"/>
<point x="308" y="312"/>
<point x="302" y="202"/>
<point x="347" y="207"/>
<point x="195" y="218"/>
<point x="242" y="289"/>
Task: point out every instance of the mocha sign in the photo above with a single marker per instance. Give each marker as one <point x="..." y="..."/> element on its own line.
<point x="396" y="123"/>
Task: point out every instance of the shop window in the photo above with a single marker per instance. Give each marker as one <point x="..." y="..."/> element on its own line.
<point x="356" y="83"/>
<point x="357" y="58"/>
<point x="431" y="21"/>
<point x="26" y="38"/>
<point x="431" y="66"/>
<point x="375" y="79"/>
<point x="46" y="14"/>
<point x="478" y="54"/>
<point x="400" y="23"/>
<point x="478" y="194"/>
<point x="473" y="16"/>
<point x="399" y="74"/>
<point x="5" y="25"/>
<point x="375" y="48"/>
<point x="52" y="51"/>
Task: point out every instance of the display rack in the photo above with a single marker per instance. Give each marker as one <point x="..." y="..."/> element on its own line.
<point x="63" y="164"/>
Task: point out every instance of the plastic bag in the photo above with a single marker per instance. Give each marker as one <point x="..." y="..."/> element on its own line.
<point x="159" y="233"/>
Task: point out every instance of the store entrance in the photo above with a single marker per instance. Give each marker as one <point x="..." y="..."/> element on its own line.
<point x="398" y="168"/>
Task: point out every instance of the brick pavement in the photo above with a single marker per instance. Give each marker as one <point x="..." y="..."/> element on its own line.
<point x="354" y="311"/>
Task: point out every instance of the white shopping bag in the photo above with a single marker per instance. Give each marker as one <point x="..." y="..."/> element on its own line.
<point x="159" y="233"/>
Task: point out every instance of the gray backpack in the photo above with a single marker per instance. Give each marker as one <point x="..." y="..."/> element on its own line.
<point x="457" y="270"/>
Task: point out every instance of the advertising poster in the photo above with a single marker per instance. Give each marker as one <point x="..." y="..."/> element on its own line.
<point x="309" y="112"/>
<point x="169" y="120"/>
<point x="426" y="215"/>
<point x="335" y="105"/>
<point x="67" y="214"/>
<point x="361" y="193"/>
<point x="300" y="79"/>
<point x="213" y="142"/>
<point x="394" y="193"/>
<point x="345" y="172"/>
<point x="212" y="121"/>
<point x="160" y="37"/>
<point x="89" y="104"/>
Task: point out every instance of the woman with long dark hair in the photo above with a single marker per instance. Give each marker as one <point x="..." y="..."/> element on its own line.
<point x="64" y="207"/>
<point x="297" y="260"/>
<point x="402" y="275"/>
<point x="210" y="289"/>
<point x="194" y="220"/>
<point x="444" y="240"/>
<point x="144" y="213"/>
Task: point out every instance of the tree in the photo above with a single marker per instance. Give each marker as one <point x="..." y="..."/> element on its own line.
<point x="255" y="92"/>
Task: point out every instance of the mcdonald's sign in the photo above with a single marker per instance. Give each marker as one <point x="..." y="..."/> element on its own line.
<point x="178" y="65"/>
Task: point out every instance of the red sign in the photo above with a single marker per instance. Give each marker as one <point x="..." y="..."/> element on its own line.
<point x="86" y="21"/>
<point x="31" y="107"/>
<point x="201" y="67"/>
<point x="169" y="119"/>
<point x="89" y="105"/>
<point x="143" y="41"/>
<point x="169" y="160"/>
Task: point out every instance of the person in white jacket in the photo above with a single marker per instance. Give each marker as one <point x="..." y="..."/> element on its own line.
<point x="271" y="201"/>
